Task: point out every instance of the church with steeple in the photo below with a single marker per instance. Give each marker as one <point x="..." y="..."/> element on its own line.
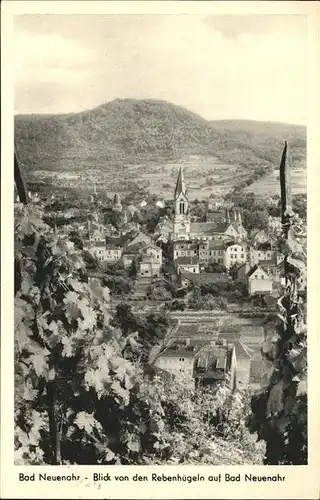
<point x="181" y="221"/>
<point x="226" y="227"/>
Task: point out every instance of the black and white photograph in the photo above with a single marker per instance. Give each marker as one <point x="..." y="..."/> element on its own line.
<point x="160" y="240"/>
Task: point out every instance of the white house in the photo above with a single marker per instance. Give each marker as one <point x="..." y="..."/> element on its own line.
<point x="113" y="253"/>
<point x="236" y="231"/>
<point x="260" y="253"/>
<point x="178" y="357"/>
<point x="259" y="282"/>
<point x="97" y="249"/>
<point x="235" y="253"/>
<point x="185" y="249"/>
<point x="149" y="267"/>
<point x="154" y="252"/>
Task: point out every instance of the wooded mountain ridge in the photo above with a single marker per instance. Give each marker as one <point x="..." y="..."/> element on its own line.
<point x="129" y="131"/>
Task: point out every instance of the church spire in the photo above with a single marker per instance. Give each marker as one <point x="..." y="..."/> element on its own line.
<point x="180" y="186"/>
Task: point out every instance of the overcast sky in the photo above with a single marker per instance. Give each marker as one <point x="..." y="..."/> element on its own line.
<point x="222" y="67"/>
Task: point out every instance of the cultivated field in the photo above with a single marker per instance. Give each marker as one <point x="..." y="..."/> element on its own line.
<point x="269" y="184"/>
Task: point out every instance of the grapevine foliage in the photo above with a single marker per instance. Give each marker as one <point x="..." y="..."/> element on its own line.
<point x="279" y="410"/>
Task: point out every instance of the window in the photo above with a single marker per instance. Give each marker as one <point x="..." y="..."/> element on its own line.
<point x="194" y="269"/>
<point x="195" y="251"/>
<point x="242" y="256"/>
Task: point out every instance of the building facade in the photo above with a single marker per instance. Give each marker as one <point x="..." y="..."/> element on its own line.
<point x="259" y="282"/>
<point x="235" y="254"/>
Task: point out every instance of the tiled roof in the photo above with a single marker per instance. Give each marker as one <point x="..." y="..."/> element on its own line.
<point x="178" y="348"/>
<point x="217" y="245"/>
<point x="267" y="262"/>
<point x="189" y="245"/>
<point x="242" y="351"/>
<point x="252" y="270"/>
<point x="113" y="247"/>
<point x="208" y="227"/>
<point x="98" y="244"/>
<point x="213" y="358"/>
<point x="191" y="261"/>
<point x="264" y="247"/>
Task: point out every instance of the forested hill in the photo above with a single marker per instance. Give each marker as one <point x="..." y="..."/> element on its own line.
<point x="128" y="130"/>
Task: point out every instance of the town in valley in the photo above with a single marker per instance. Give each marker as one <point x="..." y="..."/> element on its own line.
<point x="194" y="263"/>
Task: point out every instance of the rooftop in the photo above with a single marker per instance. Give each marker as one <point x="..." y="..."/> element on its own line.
<point x="208" y="227"/>
<point x="254" y="268"/>
<point x="98" y="244"/>
<point x="242" y="350"/>
<point x="267" y="262"/>
<point x="213" y="361"/>
<point x="191" y="261"/>
<point x="218" y="244"/>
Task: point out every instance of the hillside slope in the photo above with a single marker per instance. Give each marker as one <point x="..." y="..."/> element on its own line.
<point x="135" y="131"/>
<point x="126" y="130"/>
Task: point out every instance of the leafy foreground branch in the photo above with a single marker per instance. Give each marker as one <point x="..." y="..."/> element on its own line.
<point x="82" y="393"/>
<point x="279" y="411"/>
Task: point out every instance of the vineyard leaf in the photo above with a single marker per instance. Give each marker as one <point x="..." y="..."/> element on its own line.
<point x="39" y="363"/>
<point x="72" y="310"/>
<point x="29" y="394"/>
<point x="275" y="402"/>
<point x="86" y="421"/>
<point x="121" y="392"/>
<point x="22" y="334"/>
<point x="68" y="347"/>
<point x="76" y="285"/>
<point x="133" y="443"/>
<point x="109" y="455"/>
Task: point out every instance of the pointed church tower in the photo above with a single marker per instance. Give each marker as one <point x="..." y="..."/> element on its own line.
<point x="227" y="215"/>
<point x="181" y="223"/>
<point x="117" y="203"/>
